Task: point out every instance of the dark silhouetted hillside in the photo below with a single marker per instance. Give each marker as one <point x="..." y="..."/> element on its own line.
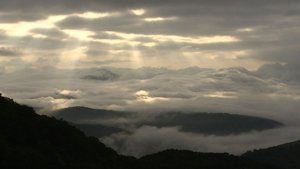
<point x="97" y="130"/>
<point x="171" y="159"/>
<point x="28" y="140"/>
<point x="286" y="156"/>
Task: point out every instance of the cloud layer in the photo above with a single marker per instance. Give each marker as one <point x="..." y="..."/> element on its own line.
<point x="232" y="90"/>
<point x="175" y="34"/>
<point x="147" y="140"/>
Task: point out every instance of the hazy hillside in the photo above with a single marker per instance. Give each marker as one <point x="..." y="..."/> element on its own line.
<point x="88" y="119"/>
<point x="28" y="140"/>
<point x="214" y="123"/>
<point x="76" y="114"/>
<point x="285" y="156"/>
<point x="202" y="123"/>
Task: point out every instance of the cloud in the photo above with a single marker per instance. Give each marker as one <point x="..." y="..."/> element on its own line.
<point x="69" y="94"/>
<point x="11" y="17"/>
<point x="50" y="33"/>
<point x="231" y="90"/>
<point x="39" y="43"/>
<point x="148" y="139"/>
<point x="103" y="35"/>
<point x="288" y="73"/>
<point x="101" y="74"/>
<point x="2" y="70"/>
<point x="198" y="33"/>
<point x="9" y="52"/>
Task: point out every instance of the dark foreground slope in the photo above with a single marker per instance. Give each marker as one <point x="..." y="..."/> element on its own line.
<point x="173" y="159"/>
<point x="28" y="140"/>
<point x="286" y="156"/>
<point x="31" y="141"/>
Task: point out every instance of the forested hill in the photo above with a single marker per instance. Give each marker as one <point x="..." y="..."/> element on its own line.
<point x="285" y="156"/>
<point x="28" y="140"/>
<point x="31" y="141"/>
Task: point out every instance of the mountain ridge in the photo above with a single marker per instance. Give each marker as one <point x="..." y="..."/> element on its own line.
<point x="29" y="140"/>
<point x="196" y="122"/>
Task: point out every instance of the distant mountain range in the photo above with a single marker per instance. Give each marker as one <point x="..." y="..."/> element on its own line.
<point x="32" y="141"/>
<point x="92" y="120"/>
<point x="77" y="114"/>
<point x="214" y="123"/>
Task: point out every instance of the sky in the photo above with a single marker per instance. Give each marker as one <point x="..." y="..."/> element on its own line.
<point x="153" y="56"/>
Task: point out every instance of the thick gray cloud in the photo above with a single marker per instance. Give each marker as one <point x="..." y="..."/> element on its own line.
<point x="51" y="33"/>
<point x="267" y="30"/>
<point x="29" y="42"/>
<point x="9" y="52"/>
<point x="2" y="70"/>
<point x="102" y="75"/>
<point x="288" y="73"/>
<point x="232" y="90"/>
<point x="102" y="35"/>
<point x="219" y="7"/>
<point x="15" y="16"/>
<point x="220" y="16"/>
